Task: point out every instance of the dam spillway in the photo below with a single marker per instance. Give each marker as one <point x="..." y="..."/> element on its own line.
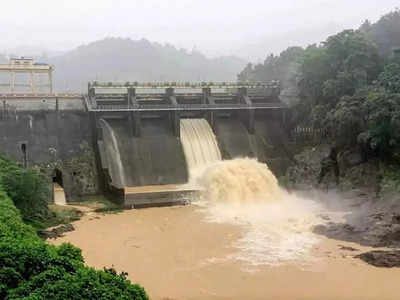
<point x="152" y="137"/>
<point x="199" y="143"/>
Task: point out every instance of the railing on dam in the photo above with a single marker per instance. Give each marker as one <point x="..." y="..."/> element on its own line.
<point x="148" y="97"/>
<point x="184" y="107"/>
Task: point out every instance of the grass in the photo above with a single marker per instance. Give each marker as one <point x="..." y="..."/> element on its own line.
<point x="99" y="203"/>
<point x="59" y="215"/>
<point x="67" y="214"/>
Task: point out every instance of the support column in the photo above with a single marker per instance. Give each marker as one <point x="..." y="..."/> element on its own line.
<point x="33" y="87"/>
<point x="250" y="122"/>
<point x="51" y="81"/>
<point x="176" y="119"/>
<point x="12" y="81"/>
<point x="169" y="92"/>
<point x="211" y="119"/>
<point x="3" y="115"/>
<point x="131" y="96"/>
<point x="206" y="94"/>
<point x="208" y="99"/>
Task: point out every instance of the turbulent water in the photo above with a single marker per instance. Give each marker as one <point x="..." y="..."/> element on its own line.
<point x="199" y="144"/>
<point x="240" y="181"/>
<point x="277" y="224"/>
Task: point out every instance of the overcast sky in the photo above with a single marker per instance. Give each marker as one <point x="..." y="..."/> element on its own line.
<point x="215" y="27"/>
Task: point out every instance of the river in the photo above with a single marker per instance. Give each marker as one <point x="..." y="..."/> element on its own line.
<point x="182" y="253"/>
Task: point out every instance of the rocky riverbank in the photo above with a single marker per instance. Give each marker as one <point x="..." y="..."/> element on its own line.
<point x="368" y="199"/>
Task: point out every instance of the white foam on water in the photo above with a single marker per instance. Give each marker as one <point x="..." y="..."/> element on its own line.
<point x="277" y="225"/>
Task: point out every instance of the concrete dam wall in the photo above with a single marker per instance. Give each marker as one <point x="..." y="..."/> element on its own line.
<point x="53" y="134"/>
<point x="158" y="157"/>
<point x="154" y="158"/>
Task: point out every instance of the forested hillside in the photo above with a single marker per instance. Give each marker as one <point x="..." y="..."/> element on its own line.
<point x="117" y="59"/>
<point x="349" y="85"/>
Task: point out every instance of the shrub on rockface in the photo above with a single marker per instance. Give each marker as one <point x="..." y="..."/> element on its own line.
<point x="28" y="189"/>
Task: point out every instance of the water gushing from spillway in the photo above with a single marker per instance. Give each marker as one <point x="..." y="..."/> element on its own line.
<point x="277" y="224"/>
<point x="113" y="156"/>
<point x="240" y="181"/>
<point x="199" y="144"/>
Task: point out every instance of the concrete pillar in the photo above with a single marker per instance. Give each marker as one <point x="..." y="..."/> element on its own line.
<point x="92" y="92"/>
<point x="250" y="122"/>
<point x="12" y="81"/>
<point x="169" y="92"/>
<point x="131" y="95"/>
<point x="51" y="81"/>
<point x="206" y="94"/>
<point x="3" y="114"/>
<point x="175" y="117"/>
<point x="33" y="87"/>
<point x="211" y="119"/>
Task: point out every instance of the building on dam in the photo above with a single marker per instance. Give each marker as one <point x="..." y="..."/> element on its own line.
<point x="25" y="75"/>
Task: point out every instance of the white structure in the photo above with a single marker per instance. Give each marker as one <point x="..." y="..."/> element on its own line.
<point x="19" y="66"/>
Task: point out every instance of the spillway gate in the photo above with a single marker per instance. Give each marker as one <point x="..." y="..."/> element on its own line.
<point x="137" y="127"/>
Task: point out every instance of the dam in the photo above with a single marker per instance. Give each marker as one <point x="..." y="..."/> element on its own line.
<point x="141" y="143"/>
<point x="152" y="138"/>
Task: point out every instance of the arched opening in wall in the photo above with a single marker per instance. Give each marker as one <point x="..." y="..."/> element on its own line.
<point x="58" y="188"/>
<point x="57" y="177"/>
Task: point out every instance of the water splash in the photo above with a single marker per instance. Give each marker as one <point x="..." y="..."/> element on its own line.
<point x="277" y="225"/>
<point x="240" y="181"/>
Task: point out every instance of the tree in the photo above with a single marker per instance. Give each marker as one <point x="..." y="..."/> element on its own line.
<point x="385" y="33"/>
<point x="390" y="78"/>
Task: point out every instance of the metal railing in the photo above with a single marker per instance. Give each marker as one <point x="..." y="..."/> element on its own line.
<point x="182" y="107"/>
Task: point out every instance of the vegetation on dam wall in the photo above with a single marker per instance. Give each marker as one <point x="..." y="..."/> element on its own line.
<point x="32" y="269"/>
<point x="79" y="173"/>
<point x="53" y="140"/>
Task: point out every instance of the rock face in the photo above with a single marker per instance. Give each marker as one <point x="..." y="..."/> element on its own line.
<point x="354" y="172"/>
<point x="375" y="230"/>
<point x="382" y="259"/>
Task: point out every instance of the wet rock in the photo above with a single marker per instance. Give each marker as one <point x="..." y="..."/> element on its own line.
<point x="382" y="259"/>
<point x="324" y="217"/>
<point x="377" y="216"/>
<point x="350" y="158"/>
<point x="396" y="219"/>
<point x="347" y="248"/>
<point x="56" y="231"/>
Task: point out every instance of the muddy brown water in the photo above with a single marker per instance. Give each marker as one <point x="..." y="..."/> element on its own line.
<point x="176" y="254"/>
